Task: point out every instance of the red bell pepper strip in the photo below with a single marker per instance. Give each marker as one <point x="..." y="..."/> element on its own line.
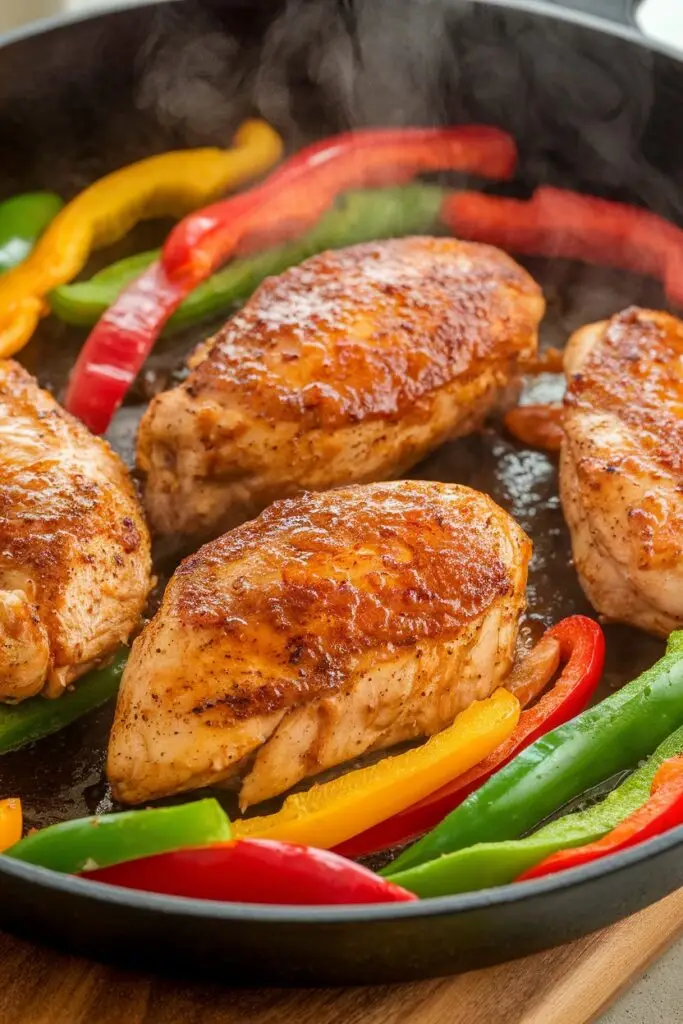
<point x="306" y="185"/>
<point x="118" y="346"/>
<point x="255" y="871"/>
<point x="664" y="810"/>
<point x="582" y="652"/>
<point x="557" y="222"/>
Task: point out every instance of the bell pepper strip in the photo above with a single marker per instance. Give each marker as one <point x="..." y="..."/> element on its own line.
<point x="296" y="195"/>
<point x="579" y="643"/>
<point x="610" y="737"/>
<point x="497" y="863"/>
<point x="10" y="823"/>
<point x="537" y="426"/>
<point x="22" y="221"/>
<point x="169" y="184"/>
<point x="663" y="811"/>
<point x="37" y="717"/>
<point x="559" y="223"/>
<point x="358" y="216"/>
<point x="88" y="843"/>
<point x="328" y="814"/>
<point x="83" y="302"/>
<point x="255" y="871"/>
<point x="118" y="346"/>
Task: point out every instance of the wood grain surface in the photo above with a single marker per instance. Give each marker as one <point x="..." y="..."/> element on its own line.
<point x="569" y="985"/>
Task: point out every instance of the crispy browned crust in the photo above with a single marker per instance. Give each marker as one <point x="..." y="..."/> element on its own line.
<point x="66" y="502"/>
<point x="336" y="575"/>
<point x="366" y="332"/>
<point x="635" y="372"/>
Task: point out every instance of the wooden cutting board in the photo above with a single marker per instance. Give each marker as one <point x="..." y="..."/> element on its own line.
<point x="569" y="985"/>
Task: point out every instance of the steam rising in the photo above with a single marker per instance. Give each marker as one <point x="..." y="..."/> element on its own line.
<point x="578" y="102"/>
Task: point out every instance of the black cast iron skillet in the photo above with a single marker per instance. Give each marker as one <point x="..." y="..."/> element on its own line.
<point x="592" y="107"/>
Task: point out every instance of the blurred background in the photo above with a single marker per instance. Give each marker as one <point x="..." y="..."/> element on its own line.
<point x="659" y="19"/>
<point x="16" y="12"/>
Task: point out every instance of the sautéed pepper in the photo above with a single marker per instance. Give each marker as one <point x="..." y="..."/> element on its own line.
<point x="663" y="811"/>
<point x="582" y="651"/>
<point x="87" y="843"/>
<point x="496" y="863"/>
<point x="255" y="871"/>
<point x="167" y="184"/>
<point x="327" y="814"/>
<point x="610" y="737"/>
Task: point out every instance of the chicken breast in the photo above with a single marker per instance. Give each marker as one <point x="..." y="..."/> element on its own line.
<point x="346" y="369"/>
<point x="74" y="548"/>
<point x="621" y="477"/>
<point x="332" y="625"/>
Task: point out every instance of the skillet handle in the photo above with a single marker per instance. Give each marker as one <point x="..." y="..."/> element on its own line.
<point x="620" y="11"/>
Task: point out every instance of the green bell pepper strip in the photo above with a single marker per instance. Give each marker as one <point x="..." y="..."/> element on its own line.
<point x="98" y="842"/>
<point x="37" y="717"/>
<point x="22" y="221"/>
<point x="489" y="864"/>
<point x="359" y="216"/>
<point x="603" y="740"/>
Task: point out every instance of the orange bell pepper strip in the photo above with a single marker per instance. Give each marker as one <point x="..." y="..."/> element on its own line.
<point x="330" y="813"/>
<point x="663" y="811"/>
<point x="537" y="426"/>
<point x="170" y="184"/>
<point x="10" y="823"/>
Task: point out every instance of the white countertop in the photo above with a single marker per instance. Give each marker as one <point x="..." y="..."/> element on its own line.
<point x="657" y="997"/>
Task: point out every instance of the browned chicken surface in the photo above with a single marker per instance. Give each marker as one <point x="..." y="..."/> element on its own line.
<point x="346" y="369"/>
<point x="74" y="548"/>
<point x="622" y="466"/>
<point x="331" y="625"/>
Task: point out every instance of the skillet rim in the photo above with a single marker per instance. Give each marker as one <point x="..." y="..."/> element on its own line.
<point x="544" y="8"/>
<point x="269" y="913"/>
<point x="461" y="903"/>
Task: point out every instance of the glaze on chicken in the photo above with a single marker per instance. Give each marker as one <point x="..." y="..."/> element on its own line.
<point x="334" y="624"/>
<point x="622" y="466"/>
<point x="348" y="368"/>
<point x="74" y="548"/>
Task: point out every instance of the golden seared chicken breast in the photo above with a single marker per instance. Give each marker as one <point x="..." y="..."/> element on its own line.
<point x="74" y="548"/>
<point x="621" y="478"/>
<point x="346" y="369"/>
<point x="331" y="625"/>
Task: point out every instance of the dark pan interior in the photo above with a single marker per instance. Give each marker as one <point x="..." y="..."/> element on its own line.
<point x="589" y="111"/>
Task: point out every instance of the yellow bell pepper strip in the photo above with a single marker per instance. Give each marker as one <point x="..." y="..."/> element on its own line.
<point x="10" y="823"/>
<point x="328" y="814"/>
<point x="170" y="184"/>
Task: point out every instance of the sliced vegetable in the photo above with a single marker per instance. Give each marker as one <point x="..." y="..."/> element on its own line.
<point x="255" y="871"/>
<point x="166" y="185"/>
<point x="557" y="222"/>
<point x="10" y="823"/>
<point x="487" y="864"/>
<point x="608" y="738"/>
<point x="664" y="810"/>
<point x="306" y="185"/>
<point x="22" y="221"/>
<point x="88" y="843"/>
<point x="327" y="814"/>
<point x="37" y="717"/>
<point x="358" y="216"/>
<point x="116" y="349"/>
<point x="538" y="426"/>
<point x="580" y="644"/>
